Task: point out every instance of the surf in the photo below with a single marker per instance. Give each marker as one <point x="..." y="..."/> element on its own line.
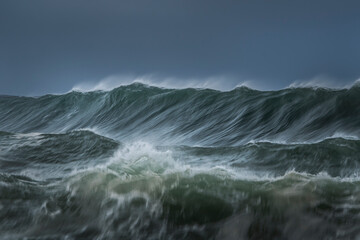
<point x="143" y="162"/>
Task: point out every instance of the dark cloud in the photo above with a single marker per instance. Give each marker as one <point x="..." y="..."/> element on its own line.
<point x="50" y="46"/>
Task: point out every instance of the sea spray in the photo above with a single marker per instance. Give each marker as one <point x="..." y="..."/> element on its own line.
<point x="140" y="162"/>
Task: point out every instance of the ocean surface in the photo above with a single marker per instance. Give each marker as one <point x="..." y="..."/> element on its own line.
<point x="141" y="162"/>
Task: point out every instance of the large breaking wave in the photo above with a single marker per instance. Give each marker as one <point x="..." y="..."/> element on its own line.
<point x="191" y="116"/>
<point x="141" y="162"/>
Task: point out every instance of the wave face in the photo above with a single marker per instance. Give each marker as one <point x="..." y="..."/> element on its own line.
<point x="141" y="162"/>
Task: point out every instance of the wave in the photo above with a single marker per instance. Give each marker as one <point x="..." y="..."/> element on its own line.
<point x="142" y="162"/>
<point x="77" y="151"/>
<point x="191" y="116"/>
<point x="113" y="202"/>
<point x="81" y="185"/>
<point x="50" y="156"/>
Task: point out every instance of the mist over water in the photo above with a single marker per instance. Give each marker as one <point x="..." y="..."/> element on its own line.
<point x="143" y="162"/>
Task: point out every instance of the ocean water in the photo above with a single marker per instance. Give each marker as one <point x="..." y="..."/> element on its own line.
<point x="141" y="162"/>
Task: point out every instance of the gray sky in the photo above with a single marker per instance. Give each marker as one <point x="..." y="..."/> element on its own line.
<point x="51" y="46"/>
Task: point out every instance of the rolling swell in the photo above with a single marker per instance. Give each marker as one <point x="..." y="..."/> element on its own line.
<point x="191" y="116"/>
<point x="242" y="164"/>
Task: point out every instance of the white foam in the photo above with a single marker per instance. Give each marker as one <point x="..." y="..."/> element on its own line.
<point x="343" y="135"/>
<point x="96" y="131"/>
<point x="142" y="156"/>
<point x="222" y="83"/>
<point x="285" y="142"/>
<point x="27" y="139"/>
<point x="33" y="135"/>
<point x="323" y="82"/>
<point x="141" y="159"/>
<point x="219" y="82"/>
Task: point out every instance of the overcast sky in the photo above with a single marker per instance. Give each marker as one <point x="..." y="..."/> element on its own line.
<point x="49" y="46"/>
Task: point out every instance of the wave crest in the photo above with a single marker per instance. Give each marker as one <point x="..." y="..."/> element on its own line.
<point x="191" y="116"/>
